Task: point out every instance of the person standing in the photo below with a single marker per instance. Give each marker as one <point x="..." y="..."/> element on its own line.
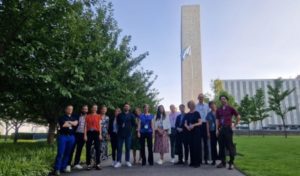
<point x="93" y="135"/>
<point x="65" y="139"/>
<point x="105" y="135"/>
<point x="193" y="125"/>
<point x="113" y="130"/>
<point x="135" y="143"/>
<point x="181" y="137"/>
<point x="79" y="138"/>
<point x="172" y="117"/>
<point x="125" y="121"/>
<point x="162" y="127"/>
<point x="224" y="130"/>
<point x="211" y="121"/>
<point x="145" y="133"/>
<point x="203" y="109"/>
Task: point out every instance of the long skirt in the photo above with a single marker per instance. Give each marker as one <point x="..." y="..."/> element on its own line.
<point x="161" y="142"/>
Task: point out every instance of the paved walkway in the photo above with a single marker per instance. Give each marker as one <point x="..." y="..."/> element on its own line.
<point x="164" y="170"/>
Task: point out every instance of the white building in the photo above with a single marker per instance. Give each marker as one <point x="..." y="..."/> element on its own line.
<point x="240" y="88"/>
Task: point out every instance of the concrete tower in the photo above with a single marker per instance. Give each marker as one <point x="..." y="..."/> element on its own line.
<point x="191" y="66"/>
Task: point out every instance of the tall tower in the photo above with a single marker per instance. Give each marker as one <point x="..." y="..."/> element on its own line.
<point x="191" y="66"/>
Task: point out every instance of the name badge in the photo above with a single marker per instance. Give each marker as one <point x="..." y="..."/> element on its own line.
<point x="70" y="128"/>
<point x="146" y="127"/>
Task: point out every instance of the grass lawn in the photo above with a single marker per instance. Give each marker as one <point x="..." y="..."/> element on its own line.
<point x="268" y="156"/>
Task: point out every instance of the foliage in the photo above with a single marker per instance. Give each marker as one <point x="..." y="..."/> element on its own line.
<point x="276" y="97"/>
<point x="246" y="111"/>
<point x="57" y="52"/>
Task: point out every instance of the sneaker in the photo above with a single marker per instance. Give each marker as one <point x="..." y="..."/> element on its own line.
<point x="57" y="173"/>
<point x="78" y="166"/>
<point x="221" y="165"/>
<point x="128" y="164"/>
<point x="89" y="167"/>
<point x="98" y="167"/>
<point x="230" y="167"/>
<point x="68" y="169"/>
<point x="113" y="163"/>
<point x="173" y="160"/>
<point x="160" y="162"/>
<point x="118" y="165"/>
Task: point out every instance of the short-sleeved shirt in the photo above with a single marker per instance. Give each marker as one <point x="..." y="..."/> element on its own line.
<point x="67" y="130"/>
<point x="211" y="119"/>
<point x="81" y="123"/>
<point x="192" y="118"/>
<point x="146" y="121"/>
<point x="224" y="115"/>
<point x="203" y="109"/>
<point x="93" y="122"/>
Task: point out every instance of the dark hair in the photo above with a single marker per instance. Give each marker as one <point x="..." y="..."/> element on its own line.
<point x="211" y="103"/>
<point x="158" y="113"/>
<point x="225" y="96"/>
<point x="85" y="105"/>
<point x="182" y="105"/>
<point x="126" y="103"/>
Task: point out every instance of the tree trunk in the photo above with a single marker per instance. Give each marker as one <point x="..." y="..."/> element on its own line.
<point x="16" y="134"/>
<point x="51" y="132"/>
<point x="6" y="135"/>
<point x="262" y="128"/>
<point x="284" y="127"/>
<point x="248" y="129"/>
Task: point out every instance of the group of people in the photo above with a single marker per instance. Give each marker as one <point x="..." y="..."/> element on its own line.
<point x="181" y="133"/>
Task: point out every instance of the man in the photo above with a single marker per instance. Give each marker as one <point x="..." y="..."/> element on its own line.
<point x="181" y="140"/>
<point x="203" y="110"/>
<point x="172" y="116"/>
<point x="65" y="139"/>
<point x="224" y="130"/>
<point x="211" y="120"/>
<point x="93" y="135"/>
<point x="79" y="139"/>
<point x="125" y="121"/>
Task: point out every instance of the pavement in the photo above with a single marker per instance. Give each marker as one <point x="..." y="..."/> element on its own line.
<point x="166" y="169"/>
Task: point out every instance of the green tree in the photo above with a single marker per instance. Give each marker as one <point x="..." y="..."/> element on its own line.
<point x="276" y="97"/>
<point x="246" y="111"/>
<point x="260" y="110"/>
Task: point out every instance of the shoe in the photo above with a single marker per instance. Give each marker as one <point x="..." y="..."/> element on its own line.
<point x="230" y="167"/>
<point x="221" y="165"/>
<point x="213" y="163"/>
<point x="89" y="167"/>
<point x="113" y="163"/>
<point x="206" y="162"/>
<point x="68" y="169"/>
<point x="173" y="160"/>
<point x="179" y="163"/>
<point x="78" y="166"/>
<point x="160" y="162"/>
<point x="98" y="167"/>
<point x="57" y="173"/>
<point x="118" y="165"/>
<point x="128" y="164"/>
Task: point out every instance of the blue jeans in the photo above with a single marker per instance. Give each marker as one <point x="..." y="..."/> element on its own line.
<point x="65" y="144"/>
<point x="121" y="140"/>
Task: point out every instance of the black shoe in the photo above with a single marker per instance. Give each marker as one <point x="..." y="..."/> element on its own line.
<point x="230" y="167"/>
<point x="206" y="162"/>
<point x="98" y="167"/>
<point x="221" y="165"/>
<point x="179" y="163"/>
<point x="213" y="163"/>
<point x="191" y="165"/>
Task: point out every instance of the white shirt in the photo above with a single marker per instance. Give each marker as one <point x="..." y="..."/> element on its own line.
<point x="164" y="122"/>
<point x="203" y="109"/>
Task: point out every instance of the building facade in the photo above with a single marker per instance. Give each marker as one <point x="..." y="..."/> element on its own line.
<point x="191" y="66"/>
<point x="240" y="88"/>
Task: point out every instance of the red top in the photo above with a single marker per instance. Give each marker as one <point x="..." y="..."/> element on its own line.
<point x="224" y="115"/>
<point x="92" y="122"/>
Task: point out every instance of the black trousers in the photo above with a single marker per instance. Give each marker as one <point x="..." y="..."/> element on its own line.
<point x="92" y="138"/>
<point x="182" y="144"/>
<point x="204" y="140"/>
<point x="79" y="143"/>
<point x="114" y="145"/>
<point x="213" y="145"/>
<point x="146" y="137"/>
<point x="195" y="146"/>
<point x="173" y="142"/>
<point x="226" y="142"/>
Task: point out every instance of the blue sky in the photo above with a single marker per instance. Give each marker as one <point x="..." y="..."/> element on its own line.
<point x="241" y="39"/>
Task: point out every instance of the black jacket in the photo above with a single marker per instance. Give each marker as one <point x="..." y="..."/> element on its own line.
<point x="125" y="122"/>
<point x="177" y="123"/>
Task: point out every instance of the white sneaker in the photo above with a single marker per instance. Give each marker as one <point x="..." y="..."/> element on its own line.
<point x="118" y="165"/>
<point x="173" y="160"/>
<point x="68" y="169"/>
<point x="78" y="166"/>
<point x="128" y="164"/>
<point x="113" y="163"/>
<point x="160" y="162"/>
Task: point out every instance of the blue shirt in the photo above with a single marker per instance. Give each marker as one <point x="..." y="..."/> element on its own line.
<point x="203" y="110"/>
<point x="211" y="118"/>
<point x="146" y="121"/>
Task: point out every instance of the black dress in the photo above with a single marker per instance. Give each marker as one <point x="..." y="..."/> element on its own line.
<point x="194" y="138"/>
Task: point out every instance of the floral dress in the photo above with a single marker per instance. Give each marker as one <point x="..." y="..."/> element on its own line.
<point x="104" y="142"/>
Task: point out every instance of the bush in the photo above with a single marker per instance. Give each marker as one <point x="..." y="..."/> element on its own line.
<point x="30" y="136"/>
<point x="29" y="159"/>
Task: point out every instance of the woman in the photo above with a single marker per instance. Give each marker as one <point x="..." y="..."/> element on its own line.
<point x="135" y="144"/>
<point x="192" y="125"/>
<point x="162" y="127"/>
<point x="104" y="127"/>
<point x="145" y="132"/>
<point x="113" y="130"/>
<point x="211" y="119"/>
